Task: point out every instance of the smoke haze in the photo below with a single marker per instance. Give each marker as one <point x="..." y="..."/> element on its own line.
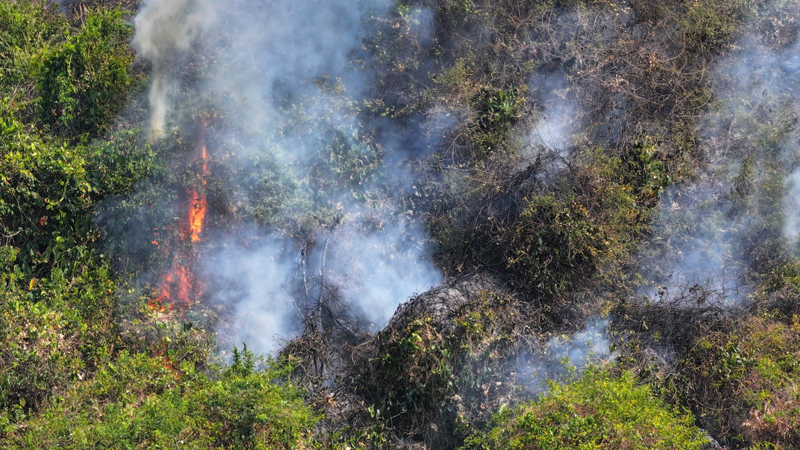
<point x="562" y="354"/>
<point x="165" y="33"/>
<point x="282" y="80"/>
<point x="709" y="230"/>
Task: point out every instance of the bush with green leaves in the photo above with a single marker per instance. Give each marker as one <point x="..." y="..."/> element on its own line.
<point x="84" y="83"/>
<point x="743" y="382"/>
<point x="138" y="401"/>
<point x="596" y="411"/>
<point x="49" y="189"/>
<point x="53" y="331"/>
<point x="413" y="372"/>
<point x="28" y="31"/>
<point x="58" y="295"/>
<point x="438" y="378"/>
<point x="44" y="193"/>
<point x="553" y="241"/>
<point x="712" y="24"/>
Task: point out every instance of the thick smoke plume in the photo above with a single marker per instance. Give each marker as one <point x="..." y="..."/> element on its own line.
<point x="281" y="79"/>
<point x="165" y="32"/>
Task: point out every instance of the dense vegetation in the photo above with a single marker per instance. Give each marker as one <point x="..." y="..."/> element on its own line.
<point x="668" y="156"/>
<point x="598" y="410"/>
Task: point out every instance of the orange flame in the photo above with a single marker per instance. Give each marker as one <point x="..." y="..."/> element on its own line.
<point x="176" y="287"/>
<point x="179" y="287"/>
<point x="198" y="207"/>
<point x="197" y="214"/>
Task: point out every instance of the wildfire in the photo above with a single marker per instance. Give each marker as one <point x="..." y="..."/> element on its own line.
<point x="197" y="207"/>
<point x="176" y="287"/>
<point x="179" y="286"/>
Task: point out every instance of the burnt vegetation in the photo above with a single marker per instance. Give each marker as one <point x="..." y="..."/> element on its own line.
<point x="561" y="163"/>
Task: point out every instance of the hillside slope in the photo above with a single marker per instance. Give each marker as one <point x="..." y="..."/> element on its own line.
<point x="477" y="224"/>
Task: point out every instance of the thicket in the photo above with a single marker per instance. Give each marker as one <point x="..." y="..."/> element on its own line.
<point x="640" y="79"/>
<point x="84" y="82"/>
<point x="145" y="401"/>
<point x="84" y="363"/>
<point x="598" y="411"/>
<point x="439" y="377"/>
<point x="743" y="383"/>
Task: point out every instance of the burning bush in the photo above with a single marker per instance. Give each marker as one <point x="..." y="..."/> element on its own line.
<point x="292" y="148"/>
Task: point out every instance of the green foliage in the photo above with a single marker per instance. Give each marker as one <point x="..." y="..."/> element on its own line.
<point x="36" y="355"/>
<point x="552" y="242"/>
<point x="58" y="298"/>
<point x="84" y="83"/>
<point x="28" y="30"/>
<point x="346" y="165"/>
<point x="83" y="364"/>
<point x="744" y="382"/>
<point x="414" y="370"/>
<point x="117" y="165"/>
<point x="138" y="401"/>
<point x="439" y="378"/>
<point x="779" y="290"/>
<point x="642" y="169"/>
<point x="596" y="411"/>
<point x="44" y="194"/>
<point x="497" y="110"/>
<point x="712" y="24"/>
<point x="53" y="330"/>
<point x="48" y="190"/>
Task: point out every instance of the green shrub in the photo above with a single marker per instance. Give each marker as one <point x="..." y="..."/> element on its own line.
<point x="84" y="83"/>
<point x="439" y="378"/>
<point x="48" y="189"/>
<point x="552" y="242"/>
<point x="44" y="193"/>
<point x="28" y="30"/>
<point x="58" y="297"/>
<point x="709" y="25"/>
<point x="52" y="330"/>
<point x="743" y="383"/>
<point x="497" y="111"/>
<point x="597" y="411"/>
<point x="413" y="372"/>
<point x="138" y="401"/>
<point x="37" y="350"/>
<point x="116" y="165"/>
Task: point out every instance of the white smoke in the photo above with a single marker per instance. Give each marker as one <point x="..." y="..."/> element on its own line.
<point x="556" y="123"/>
<point x="254" y="281"/>
<point x="562" y="355"/>
<point x="165" y="33"/>
<point x="380" y="269"/>
<point x="282" y="71"/>
<point x="698" y="260"/>
<point x="791" y="230"/>
<point x="550" y="138"/>
<point x="702" y="227"/>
